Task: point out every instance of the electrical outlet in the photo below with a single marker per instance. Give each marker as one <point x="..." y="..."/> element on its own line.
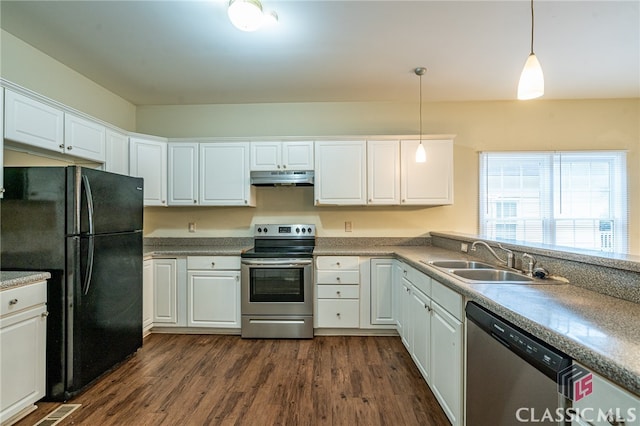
<point x="347" y="226"/>
<point x="192" y="227"/>
<point x="464" y="247"/>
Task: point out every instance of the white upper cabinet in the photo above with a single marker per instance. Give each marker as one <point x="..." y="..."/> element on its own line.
<point x="148" y="160"/>
<point x="183" y="174"/>
<point x="224" y="174"/>
<point x="84" y="138"/>
<point x="276" y="155"/>
<point x="383" y="172"/>
<point x="340" y="172"/>
<point x="429" y="183"/>
<point x="117" y="153"/>
<point x="33" y="123"/>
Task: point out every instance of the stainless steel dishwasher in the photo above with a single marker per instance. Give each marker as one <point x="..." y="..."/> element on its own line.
<point x="511" y="375"/>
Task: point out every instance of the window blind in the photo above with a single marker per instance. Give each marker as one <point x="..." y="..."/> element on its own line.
<point x="573" y="199"/>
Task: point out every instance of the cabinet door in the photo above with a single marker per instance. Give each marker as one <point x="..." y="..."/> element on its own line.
<point x="420" y="318"/>
<point x="165" y="291"/>
<point x="183" y="174"/>
<point x="382" y="297"/>
<point x="446" y="358"/>
<point x="117" y="153"/>
<point x="405" y="314"/>
<point x="297" y="155"/>
<point x="148" y="160"/>
<point x="429" y="183"/>
<point x="147" y="296"/>
<point x="84" y="138"/>
<point x="213" y="299"/>
<point x="397" y="294"/>
<point x="383" y="172"/>
<point x="33" y="123"/>
<point x="340" y="173"/>
<point x="224" y="174"/>
<point x="22" y="360"/>
<point x="266" y="155"/>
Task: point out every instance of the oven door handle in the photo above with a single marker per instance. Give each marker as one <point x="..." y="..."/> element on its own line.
<point x="277" y="262"/>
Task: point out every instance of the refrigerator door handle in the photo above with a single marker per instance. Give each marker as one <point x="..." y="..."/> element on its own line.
<point x="91" y="248"/>
<point x="87" y="190"/>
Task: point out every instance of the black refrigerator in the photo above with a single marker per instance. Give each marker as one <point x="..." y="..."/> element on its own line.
<point x="84" y="226"/>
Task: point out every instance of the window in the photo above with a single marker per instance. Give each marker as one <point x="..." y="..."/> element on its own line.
<point x="573" y="199"/>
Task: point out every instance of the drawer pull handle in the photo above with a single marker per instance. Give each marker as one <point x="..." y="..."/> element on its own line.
<point x="13" y="302"/>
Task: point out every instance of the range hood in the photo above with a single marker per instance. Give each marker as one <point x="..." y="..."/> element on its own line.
<point x="282" y="178"/>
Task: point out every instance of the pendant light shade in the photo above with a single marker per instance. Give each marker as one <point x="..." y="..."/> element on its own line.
<point x="246" y="15"/>
<point x="421" y="153"/>
<point x="531" y="83"/>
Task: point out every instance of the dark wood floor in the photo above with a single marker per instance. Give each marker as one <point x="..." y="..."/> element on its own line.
<point x="225" y="380"/>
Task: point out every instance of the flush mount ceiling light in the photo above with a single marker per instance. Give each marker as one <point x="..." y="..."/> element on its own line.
<point x="247" y="15"/>
<point x="421" y="154"/>
<point x="531" y="83"/>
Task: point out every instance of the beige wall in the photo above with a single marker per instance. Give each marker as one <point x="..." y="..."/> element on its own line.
<point x="28" y="67"/>
<point x="479" y="126"/>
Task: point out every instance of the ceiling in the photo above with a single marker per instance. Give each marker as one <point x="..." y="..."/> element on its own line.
<point x="187" y="52"/>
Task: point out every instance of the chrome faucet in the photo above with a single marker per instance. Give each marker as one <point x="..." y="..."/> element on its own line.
<point x="510" y="262"/>
<point x="530" y="265"/>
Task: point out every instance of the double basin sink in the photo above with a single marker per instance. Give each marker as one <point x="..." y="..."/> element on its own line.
<point x="479" y="272"/>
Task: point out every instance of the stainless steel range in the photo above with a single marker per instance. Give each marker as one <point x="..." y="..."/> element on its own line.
<point x="277" y="282"/>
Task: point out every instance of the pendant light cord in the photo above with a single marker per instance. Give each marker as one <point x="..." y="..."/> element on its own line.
<point x="420" y="108"/>
<point x="532" y="27"/>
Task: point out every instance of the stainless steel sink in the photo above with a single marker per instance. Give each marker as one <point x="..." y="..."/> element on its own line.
<point x="460" y="264"/>
<point x="497" y="276"/>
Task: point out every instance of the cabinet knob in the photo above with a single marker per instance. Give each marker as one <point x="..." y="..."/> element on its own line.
<point x="1" y="190"/>
<point x="213" y="264"/>
<point x="337" y="278"/>
<point x="278" y="165"/>
<point x="284" y="166"/>
<point x="338" y="314"/>
<point x="338" y="293"/>
<point x="337" y="263"/>
<point x="61" y="146"/>
<point x="195" y="201"/>
<point x="13" y="302"/>
<point x="69" y="148"/>
<point x="44" y="314"/>
<point x="404" y="201"/>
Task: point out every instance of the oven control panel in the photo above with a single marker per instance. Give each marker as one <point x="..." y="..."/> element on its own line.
<point x="279" y="230"/>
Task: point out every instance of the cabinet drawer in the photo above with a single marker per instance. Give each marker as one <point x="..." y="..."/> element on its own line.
<point x="338" y="313"/>
<point x="338" y="262"/>
<point x="338" y="291"/>
<point x="338" y="277"/>
<point x="418" y="279"/>
<point x="213" y="262"/>
<point x="447" y="298"/>
<point x="19" y="298"/>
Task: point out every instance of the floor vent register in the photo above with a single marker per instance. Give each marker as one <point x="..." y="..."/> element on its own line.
<point x="57" y="415"/>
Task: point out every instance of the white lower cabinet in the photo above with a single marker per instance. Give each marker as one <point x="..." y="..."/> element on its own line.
<point x="430" y="325"/>
<point x="420" y="313"/>
<point x="337" y="292"/>
<point x="169" y="292"/>
<point x="213" y="291"/>
<point x="147" y="296"/>
<point x="446" y="361"/>
<point x="607" y="404"/>
<point x="382" y="309"/>
<point x="23" y="320"/>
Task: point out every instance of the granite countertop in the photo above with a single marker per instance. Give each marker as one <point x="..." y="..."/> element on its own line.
<point x="10" y="279"/>
<point x="598" y="331"/>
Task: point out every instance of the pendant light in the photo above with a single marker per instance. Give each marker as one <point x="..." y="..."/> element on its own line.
<point x="421" y="154"/>
<point x="531" y="83"/>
